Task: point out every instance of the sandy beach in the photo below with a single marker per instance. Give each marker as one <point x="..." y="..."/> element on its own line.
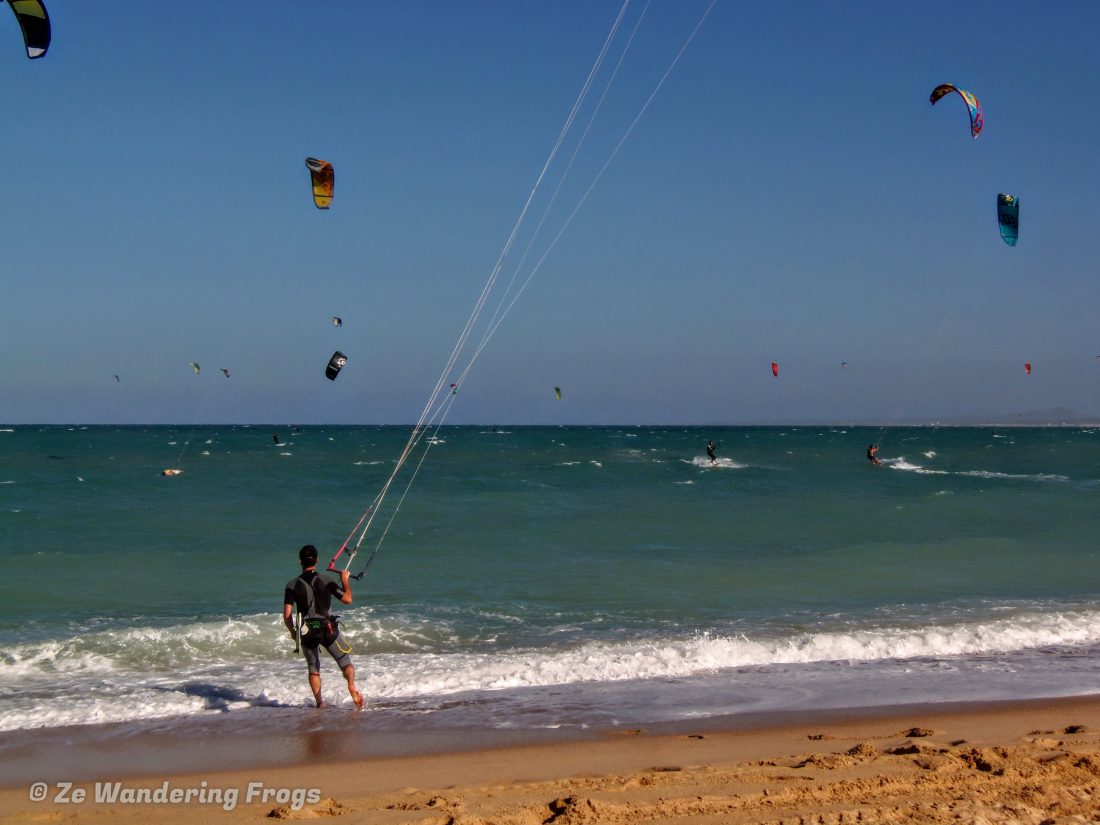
<point x="1026" y="762"/>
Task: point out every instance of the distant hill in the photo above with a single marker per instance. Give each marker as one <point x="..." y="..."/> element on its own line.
<point x="1052" y="417"/>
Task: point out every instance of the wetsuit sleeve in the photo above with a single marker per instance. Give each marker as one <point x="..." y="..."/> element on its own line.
<point x="288" y="595"/>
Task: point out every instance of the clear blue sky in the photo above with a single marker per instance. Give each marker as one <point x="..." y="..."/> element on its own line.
<point x="790" y="195"/>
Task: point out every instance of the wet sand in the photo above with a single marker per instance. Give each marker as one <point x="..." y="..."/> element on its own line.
<point x="1026" y="762"/>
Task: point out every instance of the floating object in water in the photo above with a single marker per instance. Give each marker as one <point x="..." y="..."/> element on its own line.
<point x="171" y="471"/>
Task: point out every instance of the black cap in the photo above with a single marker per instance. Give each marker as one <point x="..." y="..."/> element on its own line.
<point x="308" y="555"/>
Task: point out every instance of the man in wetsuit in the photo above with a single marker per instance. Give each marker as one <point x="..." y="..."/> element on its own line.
<point x="312" y="594"/>
<point x="872" y="454"/>
<point x="710" y="452"/>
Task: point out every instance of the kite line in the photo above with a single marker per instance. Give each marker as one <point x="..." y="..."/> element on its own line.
<point x="440" y="400"/>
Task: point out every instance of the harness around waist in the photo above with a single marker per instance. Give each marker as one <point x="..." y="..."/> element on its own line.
<point x="320" y="630"/>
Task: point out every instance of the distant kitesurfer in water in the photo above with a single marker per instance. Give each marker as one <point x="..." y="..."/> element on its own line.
<point x="872" y="454"/>
<point x="311" y="593"/>
<point x="275" y="437"/>
<point x="710" y="452"/>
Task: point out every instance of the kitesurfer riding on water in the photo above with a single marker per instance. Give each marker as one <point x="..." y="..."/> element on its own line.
<point x="872" y="454"/>
<point x="710" y="452"/>
<point x="311" y="593"/>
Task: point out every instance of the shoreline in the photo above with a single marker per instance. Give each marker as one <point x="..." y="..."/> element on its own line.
<point x="722" y="769"/>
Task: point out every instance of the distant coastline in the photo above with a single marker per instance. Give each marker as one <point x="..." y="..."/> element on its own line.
<point x="1045" y="419"/>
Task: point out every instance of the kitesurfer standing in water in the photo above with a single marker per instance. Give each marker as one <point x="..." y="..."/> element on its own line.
<point x="872" y="454"/>
<point x="710" y="452"/>
<point x="312" y="594"/>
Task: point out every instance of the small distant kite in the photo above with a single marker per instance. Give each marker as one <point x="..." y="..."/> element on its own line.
<point x="196" y="368"/>
<point x="226" y="371"/>
<point x="324" y="179"/>
<point x="557" y="393"/>
<point x="844" y="365"/>
<point x="1027" y="367"/>
<point x="337" y="321"/>
<point x="1008" y="218"/>
<point x="335" y="364"/>
<point x="977" y="119"/>
<point x="35" y="25"/>
<point x="775" y="369"/>
<point x="118" y="380"/>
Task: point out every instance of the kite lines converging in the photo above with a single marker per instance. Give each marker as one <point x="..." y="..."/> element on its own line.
<point x="454" y="372"/>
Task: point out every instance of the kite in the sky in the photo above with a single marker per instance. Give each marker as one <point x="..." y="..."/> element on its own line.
<point x="323" y="179"/>
<point x="196" y="368"/>
<point x="35" y="24"/>
<point x="1027" y="367"/>
<point x="117" y="380"/>
<point x="1008" y="217"/>
<point x="775" y="369"/>
<point x="844" y="365"/>
<point x="226" y="371"/>
<point x="557" y="393"/>
<point x="977" y="119"/>
<point x="337" y="321"/>
<point x="335" y="364"/>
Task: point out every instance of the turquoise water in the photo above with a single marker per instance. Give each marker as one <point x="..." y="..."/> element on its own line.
<point x="573" y="576"/>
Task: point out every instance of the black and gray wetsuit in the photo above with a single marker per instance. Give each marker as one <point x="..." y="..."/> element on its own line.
<point x="312" y="594"/>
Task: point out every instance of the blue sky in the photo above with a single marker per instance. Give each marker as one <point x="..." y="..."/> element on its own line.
<point x="789" y="195"/>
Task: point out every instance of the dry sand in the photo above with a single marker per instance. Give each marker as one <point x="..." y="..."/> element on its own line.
<point x="1019" y="762"/>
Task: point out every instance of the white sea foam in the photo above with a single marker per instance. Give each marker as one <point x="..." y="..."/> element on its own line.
<point x="143" y="673"/>
<point x="721" y="463"/>
<point x="900" y="463"/>
<point x="1016" y="476"/>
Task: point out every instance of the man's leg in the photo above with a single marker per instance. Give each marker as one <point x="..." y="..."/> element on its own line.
<point x="315" y="686"/>
<point x="356" y="696"/>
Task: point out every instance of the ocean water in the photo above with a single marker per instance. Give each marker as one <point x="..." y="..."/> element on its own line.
<point x="543" y="577"/>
